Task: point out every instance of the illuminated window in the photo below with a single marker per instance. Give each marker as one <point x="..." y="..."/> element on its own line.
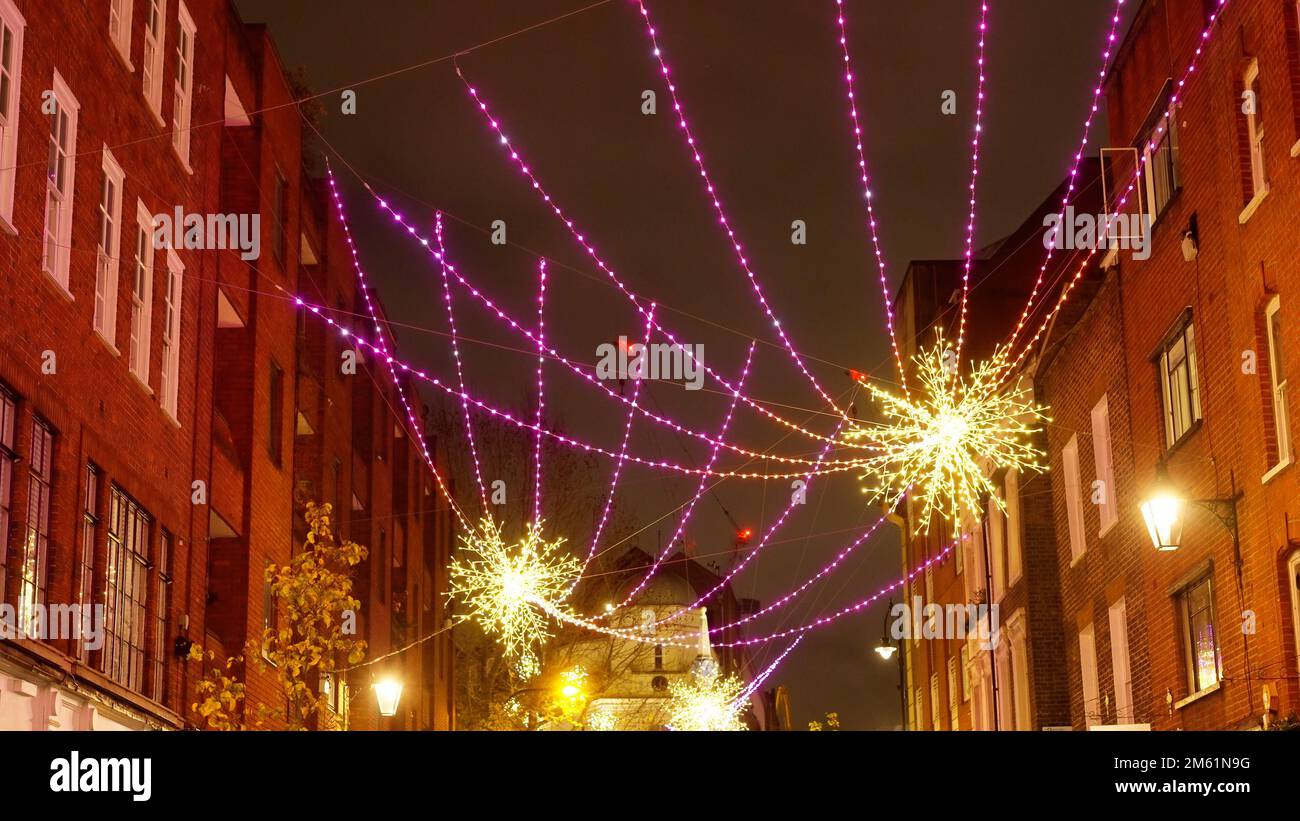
<point x="1201" y="643"/>
<point x="1180" y="392"/>
<point x="126" y="591"/>
<point x="86" y="561"/>
<point x="34" y="552"/>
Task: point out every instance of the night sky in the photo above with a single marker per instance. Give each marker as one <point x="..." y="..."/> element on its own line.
<point x="762" y="85"/>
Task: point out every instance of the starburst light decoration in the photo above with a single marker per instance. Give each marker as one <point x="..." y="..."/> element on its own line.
<point x="945" y="440"/>
<point x="706" y="703"/>
<point x="500" y="587"/>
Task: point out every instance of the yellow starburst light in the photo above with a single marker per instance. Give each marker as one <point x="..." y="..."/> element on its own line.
<point x="500" y="586"/>
<point x="946" y="439"/>
<point x="706" y="703"/>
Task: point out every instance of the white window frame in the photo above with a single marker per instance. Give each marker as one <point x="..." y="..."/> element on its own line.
<point x="1160" y="164"/>
<point x="997" y="545"/>
<point x="108" y="250"/>
<point x="1020" y="671"/>
<point x="183" y="83"/>
<point x="1188" y="393"/>
<point x="936" y="720"/>
<point x="171" y="341"/>
<point x="1278" y="385"/>
<point x="60" y="188"/>
<point x="1255" y="134"/>
<point x="1088" y="675"/>
<point x="155" y="41"/>
<point x="1073" y="500"/>
<point x="1015" y="557"/>
<point x="1293" y="574"/>
<point x="119" y="28"/>
<point x="12" y="24"/>
<point x="1120" y="662"/>
<point x="141" y="295"/>
<point x="1104" y="463"/>
<point x="954" y="703"/>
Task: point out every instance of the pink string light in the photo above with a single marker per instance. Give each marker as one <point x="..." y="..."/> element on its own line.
<point x="699" y="491"/>
<point x="585" y="373"/>
<point x="618" y="463"/>
<point x="821" y="621"/>
<point x="694" y="150"/>
<point x="974" y="175"/>
<point x="382" y="349"/>
<point x="1123" y="200"/>
<point x="559" y="437"/>
<point x="867" y="197"/>
<point x="541" y="390"/>
<point x="763" y="676"/>
<point x="455" y="354"/>
<point x="1074" y="167"/>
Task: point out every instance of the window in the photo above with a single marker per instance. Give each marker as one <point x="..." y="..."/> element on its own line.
<point x="1015" y="563"/>
<point x="59" y="176"/>
<point x="86" y="560"/>
<point x="125" y="591"/>
<point x="1179" y="388"/>
<point x="183" y="97"/>
<point x="106" y="254"/>
<point x="1088" y="672"/>
<point x="171" y="330"/>
<point x="1252" y="105"/>
<point x="1159" y="151"/>
<point x="8" y="415"/>
<point x="383" y="566"/>
<point x="162" y="580"/>
<point x="1277" y="383"/>
<point x="11" y="66"/>
<point x="1020" y="672"/>
<point x="920" y="707"/>
<point x="119" y="27"/>
<point x="1196" y="612"/>
<point x="1073" y="500"/>
<point x="152" y="69"/>
<point x="1107" y="510"/>
<point x="997" y="524"/>
<point x="141" y="294"/>
<point x="659" y="657"/>
<point x="1293" y="574"/>
<point x="277" y="216"/>
<point x="275" y="424"/>
<point x="36" y="539"/>
<point x="936" y="722"/>
<point x="1119" y="662"/>
<point x="965" y="673"/>
<point x="954" y="715"/>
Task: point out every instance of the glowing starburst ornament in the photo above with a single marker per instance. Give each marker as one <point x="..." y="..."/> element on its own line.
<point x="945" y="440"/>
<point x="501" y="587"/>
<point x="706" y="703"/>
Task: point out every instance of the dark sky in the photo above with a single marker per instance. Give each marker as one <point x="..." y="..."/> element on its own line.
<point x="762" y="85"/>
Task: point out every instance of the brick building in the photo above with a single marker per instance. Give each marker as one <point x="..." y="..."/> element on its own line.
<point x="164" y="410"/>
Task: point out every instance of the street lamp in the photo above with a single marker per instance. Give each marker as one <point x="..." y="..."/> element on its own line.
<point x="1163" y="513"/>
<point x="388" y="691"/>
<point x="886" y="650"/>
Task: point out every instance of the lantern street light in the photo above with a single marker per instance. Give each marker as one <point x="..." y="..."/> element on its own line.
<point x="1163" y="512"/>
<point x="388" y="691"/>
<point x="886" y="650"/>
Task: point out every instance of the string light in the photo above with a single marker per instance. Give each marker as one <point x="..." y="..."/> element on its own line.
<point x="1074" y="167"/>
<point x="941" y="441"/>
<point x="500" y="586"/>
<point x="866" y="195"/>
<point x="699" y="490"/>
<point x="974" y="175"/>
<point x="694" y="150"/>
<point x="541" y="390"/>
<point x="586" y="372"/>
<point x="706" y="703"/>
<point x="837" y="467"/>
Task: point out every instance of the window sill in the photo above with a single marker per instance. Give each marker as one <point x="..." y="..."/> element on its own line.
<point x="184" y="162"/>
<point x="63" y="289"/>
<point x="1101" y="534"/>
<point x="8" y="227"/>
<point x="1295" y="149"/>
<point x="157" y="114"/>
<point x="123" y="58"/>
<point x="1075" y="561"/>
<point x="170" y="417"/>
<point x="1275" y="470"/>
<point x="143" y="384"/>
<point x="1197" y="696"/>
<point x="108" y="343"/>
<point x="1252" y="206"/>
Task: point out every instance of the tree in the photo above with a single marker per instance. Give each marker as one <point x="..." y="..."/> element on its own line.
<point x="314" y="592"/>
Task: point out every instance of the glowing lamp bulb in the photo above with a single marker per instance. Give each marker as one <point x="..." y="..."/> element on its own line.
<point x="388" y="692"/>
